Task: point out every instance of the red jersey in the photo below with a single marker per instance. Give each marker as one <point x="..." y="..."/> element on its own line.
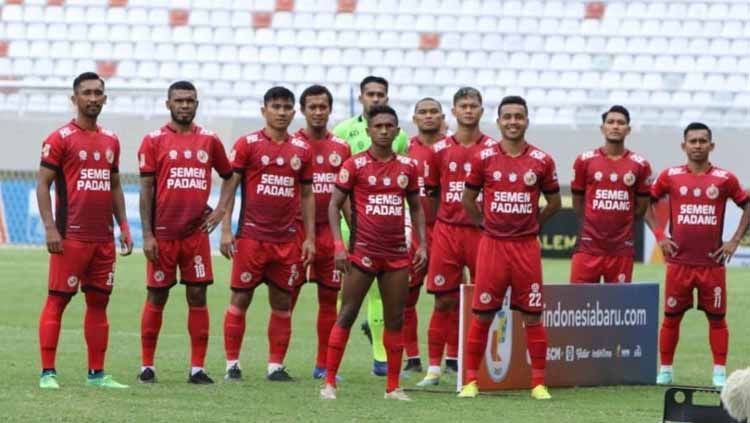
<point x="609" y="188"/>
<point x="84" y="162"/>
<point x="452" y="163"/>
<point x="328" y="155"/>
<point x="272" y="176"/>
<point x="423" y="155"/>
<point x="696" y="210"/>
<point x="512" y="186"/>
<point x="378" y="191"/>
<point x="181" y="165"/>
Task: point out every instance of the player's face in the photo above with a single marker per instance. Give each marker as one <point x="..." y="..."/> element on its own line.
<point x="182" y="105"/>
<point x="428" y="117"/>
<point x="513" y="122"/>
<point x="615" y="127"/>
<point x="382" y="130"/>
<point x="373" y="94"/>
<point x="89" y="97"/>
<point x="317" y="111"/>
<point x="468" y="111"/>
<point x="278" y="113"/>
<point x="697" y="145"/>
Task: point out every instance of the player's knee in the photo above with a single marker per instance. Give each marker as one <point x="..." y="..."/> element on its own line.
<point x="241" y="299"/>
<point x="672" y="321"/>
<point x="196" y="296"/>
<point x="532" y="319"/>
<point x="485" y="316"/>
<point x="393" y="321"/>
<point x="716" y="321"/>
<point x="96" y="299"/>
<point x="157" y="296"/>
<point x="347" y="316"/>
<point x="446" y="301"/>
<point x="279" y="300"/>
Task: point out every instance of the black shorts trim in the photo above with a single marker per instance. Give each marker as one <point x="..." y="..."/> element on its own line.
<point x="643" y="194"/>
<point x="522" y="310"/>
<point x="322" y="285"/>
<point x="62" y="294"/>
<point x="491" y="310"/>
<point x="677" y="313"/>
<point x="95" y="288"/>
<point x="161" y="288"/>
<point x="444" y="291"/>
<point x="578" y="191"/>
<point x="193" y="283"/>
<point x="147" y="174"/>
<point x="226" y="175"/>
<point x="242" y="289"/>
<point x="552" y="191"/>
<point x="711" y="316"/>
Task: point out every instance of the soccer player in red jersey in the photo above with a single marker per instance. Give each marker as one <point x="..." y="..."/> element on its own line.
<point x="82" y="159"/>
<point x="328" y="152"/>
<point x="275" y="171"/>
<point x="175" y="165"/>
<point x="698" y="192"/>
<point x="455" y="237"/>
<point x="428" y="118"/>
<point x="377" y="181"/>
<point x="610" y="188"/>
<point x="512" y="174"/>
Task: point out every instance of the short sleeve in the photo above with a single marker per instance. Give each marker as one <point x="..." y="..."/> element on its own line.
<point x="345" y="178"/>
<point x="475" y="178"/>
<point x="306" y="171"/>
<point x="147" y="157"/>
<point x="116" y="154"/>
<point x="578" y="184"/>
<point x="735" y="191"/>
<point x="240" y="155"/>
<point x="52" y="152"/>
<point x="643" y="184"/>
<point x="219" y="159"/>
<point x="660" y="187"/>
<point x="549" y="184"/>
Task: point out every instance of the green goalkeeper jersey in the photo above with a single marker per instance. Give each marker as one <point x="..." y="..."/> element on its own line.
<point x="354" y="131"/>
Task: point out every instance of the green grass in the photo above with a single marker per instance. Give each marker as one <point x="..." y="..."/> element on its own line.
<point x="23" y="285"/>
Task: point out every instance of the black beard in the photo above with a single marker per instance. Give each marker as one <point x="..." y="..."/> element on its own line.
<point x="185" y="122"/>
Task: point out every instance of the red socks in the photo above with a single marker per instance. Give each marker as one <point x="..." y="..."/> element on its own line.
<point x="279" y="332"/>
<point x="718" y="336"/>
<point x="234" y="331"/>
<point x="198" y="330"/>
<point x="475" y="346"/>
<point x="451" y="340"/>
<point x="49" y="328"/>
<point x="409" y="330"/>
<point x="394" y="350"/>
<point x="436" y="336"/>
<point x="150" y="327"/>
<point x="536" y="343"/>
<point x="336" y="346"/>
<point x="668" y="337"/>
<point x="326" y="319"/>
<point x="96" y="328"/>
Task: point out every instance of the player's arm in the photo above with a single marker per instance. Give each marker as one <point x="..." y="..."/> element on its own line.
<point x="308" y="218"/>
<point x="418" y="224"/>
<point x="118" y="206"/>
<point x="338" y="198"/>
<point x="226" y="203"/>
<point x="658" y="190"/>
<point x="469" y="201"/>
<point x="44" y="180"/>
<point x="346" y="210"/>
<point x="726" y="251"/>
<point x="224" y="169"/>
<point x="146" y="207"/>
<point x="554" y="203"/>
<point x="579" y="206"/>
<point x="641" y="205"/>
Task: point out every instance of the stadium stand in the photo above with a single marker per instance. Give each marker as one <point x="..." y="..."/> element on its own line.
<point x="680" y="58"/>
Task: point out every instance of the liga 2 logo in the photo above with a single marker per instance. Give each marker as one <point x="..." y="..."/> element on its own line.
<point x="500" y="345"/>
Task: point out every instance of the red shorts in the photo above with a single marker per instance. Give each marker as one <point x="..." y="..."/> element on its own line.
<point x="192" y="255"/>
<point x="378" y="265"/>
<point x="588" y="268"/>
<point x="90" y="264"/>
<point x="417" y="278"/>
<point x="711" y="285"/>
<point x="514" y="263"/>
<point x="323" y="268"/>
<point x="257" y="261"/>
<point x="453" y="248"/>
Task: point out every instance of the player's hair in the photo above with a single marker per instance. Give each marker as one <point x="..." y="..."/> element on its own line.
<point x="181" y="85"/>
<point x="696" y="126"/>
<point x="276" y="93"/>
<point x="373" y="79"/>
<point x="381" y="109"/>
<point x="440" y="106"/>
<point x="315" y="90"/>
<point x="617" y="109"/>
<point x="513" y="99"/>
<point x="86" y="76"/>
<point x="464" y="92"/>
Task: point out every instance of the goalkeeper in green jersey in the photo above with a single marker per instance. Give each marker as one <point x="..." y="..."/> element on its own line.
<point x="373" y="90"/>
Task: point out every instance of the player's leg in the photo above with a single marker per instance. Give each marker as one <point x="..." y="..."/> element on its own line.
<point x="196" y="274"/>
<point x="327" y="299"/>
<point x="394" y="289"/>
<point x="279" y="332"/>
<point x="586" y="268"/>
<point x="712" y="299"/>
<point x="376" y="327"/>
<point x="411" y="326"/>
<point x="536" y="345"/>
<point x="678" y="298"/>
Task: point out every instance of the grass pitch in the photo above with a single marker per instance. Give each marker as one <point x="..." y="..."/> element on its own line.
<point x="23" y="275"/>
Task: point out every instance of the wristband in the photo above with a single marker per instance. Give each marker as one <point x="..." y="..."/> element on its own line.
<point x="338" y="247"/>
<point x="124" y="227"/>
<point x="659" y="234"/>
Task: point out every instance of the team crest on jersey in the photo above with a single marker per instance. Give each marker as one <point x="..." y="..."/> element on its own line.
<point x="372" y="180"/>
<point x="334" y="159"/>
<point x="671" y="302"/>
<point x="158" y="276"/>
<point x="97" y="156"/>
<point x="512" y="177"/>
<point x="319" y="159"/>
<point x="402" y="181"/>
<point x="142" y="160"/>
<point x="712" y="192"/>
<point x="246" y="277"/>
<point x="45" y="150"/>
<point x="629" y="179"/>
<point x="109" y="155"/>
<point x="188" y="154"/>
<point x="534" y="287"/>
<point x="613" y="177"/>
<point x="529" y="178"/>
<point x="82" y="155"/>
<point x="598" y="176"/>
<point x="621" y="277"/>
<point x="366" y="261"/>
<point x="439" y="280"/>
<point x="295" y="162"/>
<point x="683" y="190"/>
<point x="202" y="156"/>
<point x="344" y="176"/>
<point x="452" y="166"/>
<point x="387" y="181"/>
<point x="280" y="161"/>
<point x="696" y="192"/>
<point x="467" y="167"/>
<point x="72" y="281"/>
<point x="265" y="160"/>
<point x="173" y="154"/>
<point x="198" y="259"/>
<point x="497" y="175"/>
<point x="485" y="298"/>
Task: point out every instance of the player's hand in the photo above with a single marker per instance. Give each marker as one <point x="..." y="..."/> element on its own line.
<point x="419" y="262"/>
<point x="126" y="243"/>
<point x="54" y="241"/>
<point x="150" y="248"/>
<point x="212" y="220"/>
<point x="668" y="247"/>
<point x="725" y="252"/>
<point x="226" y="245"/>
<point x="342" y="262"/>
<point x="308" y="252"/>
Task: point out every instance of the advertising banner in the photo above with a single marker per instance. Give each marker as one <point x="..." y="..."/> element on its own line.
<point x="597" y="335"/>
